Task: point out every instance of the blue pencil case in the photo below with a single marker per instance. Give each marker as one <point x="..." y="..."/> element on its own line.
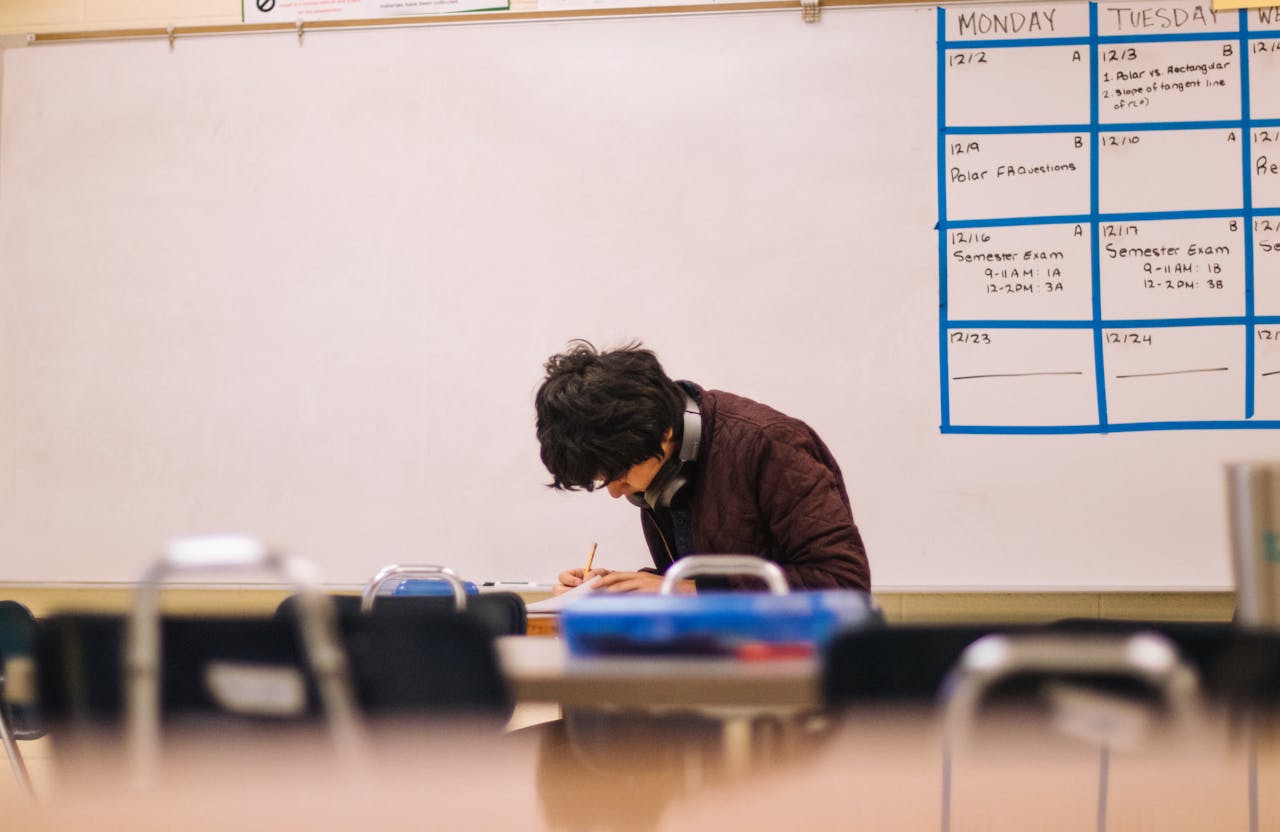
<point x="744" y="624"/>
<point x="426" y="586"/>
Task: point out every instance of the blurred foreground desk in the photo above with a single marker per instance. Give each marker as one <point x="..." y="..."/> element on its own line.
<point x="881" y="772"/>
<point x="761" y="708"/>
<point x="541" y="670"/>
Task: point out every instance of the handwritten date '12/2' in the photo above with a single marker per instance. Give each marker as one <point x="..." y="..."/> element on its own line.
<point x="966" y="58"/>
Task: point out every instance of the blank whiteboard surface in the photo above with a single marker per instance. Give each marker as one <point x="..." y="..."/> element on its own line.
<point x="305" y="292"/>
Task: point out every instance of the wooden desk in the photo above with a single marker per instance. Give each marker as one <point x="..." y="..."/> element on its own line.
<point x="882" y="772"/>
<point x="541" y="670"/>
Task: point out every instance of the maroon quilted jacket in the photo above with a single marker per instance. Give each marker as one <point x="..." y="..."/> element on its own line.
<point x="766" y="484"/>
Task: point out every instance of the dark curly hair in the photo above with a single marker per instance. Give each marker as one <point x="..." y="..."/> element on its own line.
<point x="599" y="413"/>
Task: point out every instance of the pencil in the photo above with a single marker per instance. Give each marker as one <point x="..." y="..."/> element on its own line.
<point x="590" y="558"/>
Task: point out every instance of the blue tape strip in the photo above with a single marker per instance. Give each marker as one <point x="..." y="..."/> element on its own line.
<point x="1246" y="160"/>
<point x="1108" y="40"/>
<point x="1113" y="127"/>
<point x="1114" y="323"/>
<point x="1095" y="246"/>
<point x="1131" y="216"/>
<point x="1114" y="427"/>
<point x="1249" y="321"/>
<point x="943" y="362"/>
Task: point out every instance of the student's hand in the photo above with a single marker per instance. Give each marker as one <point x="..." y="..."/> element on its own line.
<point x="571" y="578"/>
<point x="638" y="582"/>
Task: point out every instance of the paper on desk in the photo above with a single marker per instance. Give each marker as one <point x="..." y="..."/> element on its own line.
<point x="556" y="603"/>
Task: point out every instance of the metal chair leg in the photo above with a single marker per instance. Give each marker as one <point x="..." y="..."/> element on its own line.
<point x="16" y="762"/>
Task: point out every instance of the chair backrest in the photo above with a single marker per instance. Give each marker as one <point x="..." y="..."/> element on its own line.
<point x="220" y="671"/>
<point x="895" y="665"/>
<point x="18" y="634"/>
<point x="81" y="670"/>
<point x="906" y="664"/>
<point x="425" y="663"/>
<point x="1239" y="667"/>
<point x="1101" y="687"/>
<point x="499" y="613"/>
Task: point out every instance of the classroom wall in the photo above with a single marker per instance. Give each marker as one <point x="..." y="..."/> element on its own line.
<point x="27" y="16"/>
<point x="21" y="16"/>
<point x="58" y="15"/>
<point x="898" y="607"/>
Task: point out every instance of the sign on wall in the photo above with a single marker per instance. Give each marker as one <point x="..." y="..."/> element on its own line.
<point x="288" y="11"/>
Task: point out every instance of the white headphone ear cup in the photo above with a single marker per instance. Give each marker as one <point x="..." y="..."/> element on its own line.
<point x="666" y="486"/>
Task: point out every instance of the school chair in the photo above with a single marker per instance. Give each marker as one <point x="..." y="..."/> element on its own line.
<point x="112" y="673"/>
<point x="19" y="719"/>
<point x="449" y="661"/>
<point x="500" y="613"/>
<point x="1103" y="688"/>
<point x="221" y="678"/>
<point x="901" y="665"/>
<point x="907" y="663"/>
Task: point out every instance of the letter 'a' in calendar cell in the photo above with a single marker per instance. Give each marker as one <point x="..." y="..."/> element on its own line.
<point x="1039" y="271"/>
<point x="1007" y="86"/>
<point x="1169" y="170"/>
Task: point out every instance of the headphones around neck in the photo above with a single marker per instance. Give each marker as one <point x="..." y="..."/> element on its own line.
<point x="676" y="473"/>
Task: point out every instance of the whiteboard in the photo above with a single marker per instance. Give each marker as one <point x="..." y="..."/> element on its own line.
<point x="305" y="291"/>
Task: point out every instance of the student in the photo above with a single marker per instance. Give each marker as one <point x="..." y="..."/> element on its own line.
<point x="712" y="473"/>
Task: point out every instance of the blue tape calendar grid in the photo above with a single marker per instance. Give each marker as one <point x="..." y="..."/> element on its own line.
<point x="1247" y="213"/>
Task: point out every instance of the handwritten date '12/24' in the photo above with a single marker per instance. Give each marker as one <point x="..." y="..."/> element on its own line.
<point x="1139" y="338"/>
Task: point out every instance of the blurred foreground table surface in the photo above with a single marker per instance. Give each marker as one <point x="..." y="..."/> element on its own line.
<point x="542" y="670"/>
<point x="875" y="771"/>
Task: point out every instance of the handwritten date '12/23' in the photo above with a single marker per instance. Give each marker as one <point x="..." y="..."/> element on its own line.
<point x="1144" y="339"/>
